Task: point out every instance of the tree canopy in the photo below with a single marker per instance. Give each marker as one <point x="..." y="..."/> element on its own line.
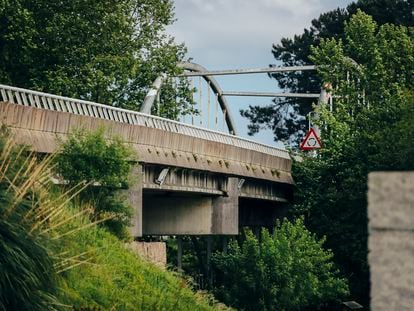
<point x="286" y="118"/>
<point x="105" y="51"/>
<point x="368" y="129"/>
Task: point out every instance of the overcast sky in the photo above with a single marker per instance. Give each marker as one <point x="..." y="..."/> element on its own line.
<point x="227" y="34"/>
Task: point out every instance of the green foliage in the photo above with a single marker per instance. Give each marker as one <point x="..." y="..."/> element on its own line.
<point x="286" y="118"/>
<point x="115" y="278"/>
<point x="286" y="270"/>
<point x="27" y="276"/>
<point x="53" y="257"/>
<point x="194" y="262"/>
<point x="369" y="129"/>
<point x="105" y="51"/>
<point x="104" y="163"/>
<point x="92" y="157"/>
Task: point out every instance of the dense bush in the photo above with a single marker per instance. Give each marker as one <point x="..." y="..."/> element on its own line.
<point x="104" y="163"/>
<point x="286" y="270"/>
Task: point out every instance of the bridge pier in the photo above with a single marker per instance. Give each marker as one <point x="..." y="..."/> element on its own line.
<point x="225" y="210"/>
<point x="134" y="195"/>
<point x="166" y="213"/>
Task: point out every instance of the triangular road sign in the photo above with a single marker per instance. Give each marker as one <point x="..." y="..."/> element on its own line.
<point x="311" y="141"/>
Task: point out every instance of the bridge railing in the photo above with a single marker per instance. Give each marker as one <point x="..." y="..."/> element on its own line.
<point x="87" y="108"/>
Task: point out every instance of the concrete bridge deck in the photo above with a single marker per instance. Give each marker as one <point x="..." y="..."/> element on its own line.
<point x="215" y="183"/>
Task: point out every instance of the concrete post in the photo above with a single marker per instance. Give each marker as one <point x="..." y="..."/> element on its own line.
<point x="225" y="242"/>
<point x="391" y="240"/>
<point x="208" y="262"/>
<point x="179" y="253"/>
<point x="226" y="210"/>
<point x="135" y="200"/>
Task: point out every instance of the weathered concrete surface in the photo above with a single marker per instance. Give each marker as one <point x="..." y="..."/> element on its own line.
<point x="185" y="215"/>
<point x="155" y="252"/>
<point x="40" y="128"/>
<point x="134" y="195"/>
<point x="391" y="240"/>
<point x="193" y="200"/>
<point x="225" y="218"/>
<point x="175" y="214"/>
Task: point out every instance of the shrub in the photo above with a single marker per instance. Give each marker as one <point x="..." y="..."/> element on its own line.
<point x="286" y="270"/>
<point x="104" y="164"/>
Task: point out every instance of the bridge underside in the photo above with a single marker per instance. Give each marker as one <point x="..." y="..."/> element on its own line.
<point x="183" y="214"/>
<point x="190" y="202"/>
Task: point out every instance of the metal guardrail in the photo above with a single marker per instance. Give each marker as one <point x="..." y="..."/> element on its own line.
<point x="82" y="107"/>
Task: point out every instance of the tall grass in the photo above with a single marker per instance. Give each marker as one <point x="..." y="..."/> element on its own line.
<point x="53" y="257"/>
<point x="27" y="276"/>
<point x="116" y="279"/>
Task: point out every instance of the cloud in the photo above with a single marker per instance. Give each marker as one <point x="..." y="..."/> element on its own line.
<point x="220" y="32"/>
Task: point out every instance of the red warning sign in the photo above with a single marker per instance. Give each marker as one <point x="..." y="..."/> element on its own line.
<point x="311" y="141"/>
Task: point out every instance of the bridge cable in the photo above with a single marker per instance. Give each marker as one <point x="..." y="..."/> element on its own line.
<point x="217" y="108"/>
<point x="192" y="92"/>
<point x="208" y="105"/>
<point x="201" y="102"/>
<point x="224" y="118"/>
<point x="157" y="99"/>
<point x="176" y="99"/>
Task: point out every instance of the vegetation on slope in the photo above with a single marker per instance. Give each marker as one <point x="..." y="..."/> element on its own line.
<point x="104" y="164"/>
<point x="116" y="279"/>
<point x="27" y="277"/>
<point x="53" y="257"/>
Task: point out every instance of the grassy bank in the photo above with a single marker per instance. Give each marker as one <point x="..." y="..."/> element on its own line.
<point x="54" y="256"/>
<point x="113" y="278"/>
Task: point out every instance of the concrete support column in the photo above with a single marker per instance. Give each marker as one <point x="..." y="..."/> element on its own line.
<point x="225" y="244"/>
<point x="208" y="262"/>
<point x="391" y="240"/>
<point x="226" y="210"/>
<point x="135" y="200"/>
<point x="179" y="253"/>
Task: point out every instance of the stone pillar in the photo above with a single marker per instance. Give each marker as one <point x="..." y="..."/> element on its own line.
<point x="135" y="200"/>
<point x="226" y="210"/>
<point x="155" y="252"/>
<point x="391" y="240"/>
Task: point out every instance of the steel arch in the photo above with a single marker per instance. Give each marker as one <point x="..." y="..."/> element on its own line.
<point x="215" y="87"/>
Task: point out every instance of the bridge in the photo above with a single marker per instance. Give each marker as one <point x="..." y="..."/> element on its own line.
<point x="191" y="180"/>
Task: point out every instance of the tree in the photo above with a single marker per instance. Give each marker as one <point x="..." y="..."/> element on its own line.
<point x="286" y="270"/>
<point x="287" y="118"/>
<point x="367" y="130"/>
<point x="105" y="51"/>
<point x="105" y="165"/>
